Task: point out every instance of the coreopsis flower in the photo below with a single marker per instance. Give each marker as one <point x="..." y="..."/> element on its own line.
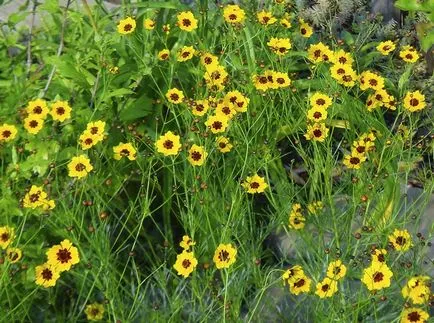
<point x="417" y="289"/>
<point x="186" y="242"/>
<point x="63" y="256"/>
<point x="414" y="315"/>
<point x="114" y="70"/>
<point x="7" y="235"/>
<point x="400" y="240"/>
<point x="280" y="46"/>
<point x="285" y="22"/>
<point x="305" y="29"/>
<point x="414" y="101"/>
<point x="377" y="276"/>
<point x="215" y="77"/>
<point x="60" y="111"/>
<point x="238" y="100"/>
<point x="391" y="103"/>
<point x="8" y="132"/>
<point x="209" y="61"/>
<point x="300" y="285"/>
<point x="217" y="123"/>
<point x="185" y="263"/>
<point x="33" y="124"/>
<point x="370" y="80"/>
<point x="326" y="288"/>
<point x="79" y="166"/>
<point x="163" y="55"/>
<point x="148" y="24"/>
<point x="361" y="147"/>
<point x="14" y="255"/>
<point x="281" y="79"/>
<point x="94" y="312"/>
<point x="96" y="128"/>
<point x="199" y="107"/>
<point x="317" y="114"/>
<point x="342" y="57"/>
<point x="344" y="74"/>
<point x="124" y="150"/>
<point x="265" y="18"/>
<point x="168" y="144"/>
<point x="185" y="53"/>
<point x="292" y="274"/>
<point x="260" y="82"/>
<point x="46" y="275"/>
<point x="38" y="108"/>
<point x="372" y="103"/>
<point x="296" y="221"/>
<point x="317" y="132"/>
<point x="319" y="52"/>
<point x="224" y="256"/>
<point x="315" y="207"/>
<point x="175" y="96"/>
<point x="226" y="109"/>
<point x="126" y="26"/>
<point x="223" y="145"/>
<point x="386" y="47"/>
<point x="87" y="140"/>
<point x="255" y="184"/>
<point x="320" y="100"/>
<point x="409" y="54"/>
<point x="379" y="255"/>
<point x="381" y="96"/>
<point x="336" y="270"/>
<point x="197" y="155"/>
<point x="186" y="21"/>
<point x="354" y="161"/>
<point x="233" y="14"/>
<point x="35" y="197"/>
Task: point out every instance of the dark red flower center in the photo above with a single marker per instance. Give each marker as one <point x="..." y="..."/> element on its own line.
<point x="47" y="274"/>
<point x="223" y="255"/>
<point x="186" y="263"/>
<point x="325" y="287"/>
<point x="217" y="125"/>
<point x="37" y="110"/>
<point x="186" y="22"/>
<point x="378" y="277"/>
<point x="254" y="185"/>
<point x="60" y="110"/>
<point x="414" y="102"/>
<point x="317" y="133"/>
<point x="168" y="144"/>
<point x="64" y="255"/>
<point x="413" y="316"/>
<point x="128" y="27"/>
<point x="6" y="134"/>
<point x="80" y="167"/>
<point x="33" y="123"/>
<point x="196" y="156"/>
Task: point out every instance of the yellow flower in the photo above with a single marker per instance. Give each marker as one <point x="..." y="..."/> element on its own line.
<point x="217" y="123"/>
<point x="414" y="101"/>
<point x="319" y="53"/>
<point x="168" y="144"/>
<point x="209" y="60"/>
<point x="299" y="285"/>
<point x="224" y="256"/>
<point x="166" y="29"/>
<point x="14" y="255"/>
<point x="292" y="274"/>
<point x="414" y="315"/>
<point x="33" y="124"/>
<point x="391" y="103"/>
<point x="305" y="29"/>
<point x="223" y="145"/>
<point x="280" y="46"/>
<point x="255" y="184"/>
<point x="327" y="288"/>
<point x="226" y="109"/>
<point x="372" y="103"/>
<point x="378" y="255"/>
<point x="35" y="197"/>
<point x="124" y="150"/>
<point x="88" y="140"/>
<point x="238" y="100"/>
<point x="126" y="26"/>
<point x="285" y="22"/>
<point x="114" y="70"/>
<point x="265" y="18"/>
<point x="314" y="207"/>
<point x="186" y="21"/>
<point x="234" y="14"/>
<point x="175" y="96"/>
<point x="63" y="256"/>
<point x="260" y="82"/>
<point x="370" y="80"/>
<point x="199" y="107"/>
<point x="296" y="221"/>
<point x="96" y="128"/>
<point x="401" y="240"/>
<point x="79" y="166"/>
<point x="186" y="53"/>
<point x="8" y="132"/>
<point x="320" y="100"/>
<point x="336" y="270"/>
<point x="342" y="57"/>
<point x="7" y="235"/>
<point x="186" y="242"/>
<point x="354" y="161"/>
<point x="377" y="276"/>
<point x="344" y="74"/>
<point x="46" y="275"/>
<point x="197" y="155"/>
<point x="148" y="24"/>
<point x="94" y="312"/>
<point x="317" y="114"/>
<point x="38" y="108"/>
<point x="316" y="132"/>
<point x="215" y="76"/>
<point x="417" y="289"/>
<point x="185" y="263"/>
<point x="409" y="54"/>
<point x="386" y="47"/>
<point x="60" y="111"/>
<point x="163" y="55"/>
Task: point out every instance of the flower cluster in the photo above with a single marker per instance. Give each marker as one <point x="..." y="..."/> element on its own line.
<point x="329" y="285"/>
<point x="297" y="280"/>
<point x="7" y="237"/>
<point x="316" y="115"/>
<point x="37" y="198"/>
<point x="271" y="80"/>
<point x="359" y="150"/>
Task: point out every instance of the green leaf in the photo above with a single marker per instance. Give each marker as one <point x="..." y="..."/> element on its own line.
<point x="408" y="5"/>
<point x="117" y="93"/>
<point x="51" y="6"/>
<point x="140" y="108"/>
<point x="427" y="41"/>
<point x="347" y="37"/>
<point x="17" y="17"/>
<point x="404" y="78"/>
